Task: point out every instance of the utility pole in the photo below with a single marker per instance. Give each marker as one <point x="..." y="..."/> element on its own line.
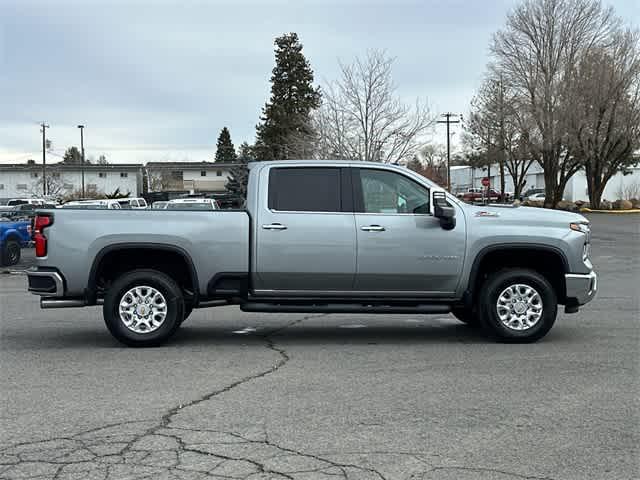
<point x="81" y="127"/>
<point x="448" y="121"/>
<point x="43" y="128"/>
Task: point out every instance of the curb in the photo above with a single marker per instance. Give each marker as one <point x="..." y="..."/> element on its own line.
<point x="615" y="212"/>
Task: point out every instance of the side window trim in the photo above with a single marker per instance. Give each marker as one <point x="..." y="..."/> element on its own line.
<point x="358" y="195"/>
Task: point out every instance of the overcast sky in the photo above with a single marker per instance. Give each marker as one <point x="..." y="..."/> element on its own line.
<point x="156" y="80"/>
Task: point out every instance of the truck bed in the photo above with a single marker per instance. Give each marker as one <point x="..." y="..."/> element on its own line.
<point x="215" y="241"/>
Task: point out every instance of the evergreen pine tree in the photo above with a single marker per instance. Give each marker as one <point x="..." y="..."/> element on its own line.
<point x="72" y="156"/>
<point x="285" y="129"/>
<point x="225" y="151"/>
<point x="237" y="183"/>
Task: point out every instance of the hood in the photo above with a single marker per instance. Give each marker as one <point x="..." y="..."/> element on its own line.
<point x="526" y="215"/>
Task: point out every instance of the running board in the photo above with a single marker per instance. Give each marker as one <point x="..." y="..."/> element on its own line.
<point x="342" y="308"/>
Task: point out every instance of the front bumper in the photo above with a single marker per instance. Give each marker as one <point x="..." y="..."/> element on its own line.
<point x="581" y="288"/>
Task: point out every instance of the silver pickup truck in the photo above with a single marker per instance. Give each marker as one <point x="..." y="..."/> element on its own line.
<point x="319" y="236"/>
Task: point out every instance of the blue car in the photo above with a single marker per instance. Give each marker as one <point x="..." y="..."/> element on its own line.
<point x="14" y="235"/>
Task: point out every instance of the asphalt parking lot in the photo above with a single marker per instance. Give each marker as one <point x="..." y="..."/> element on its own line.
<point x="274" y="396"/>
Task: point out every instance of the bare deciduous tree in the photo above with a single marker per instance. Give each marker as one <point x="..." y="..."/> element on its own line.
<point x="159" y="181"/>
<point x="605" y="120"/>
<point x="54" y="187"/>
<point x="535" y="54"/>
<point x="363" y="118"/>
<point x="499" y="131"/>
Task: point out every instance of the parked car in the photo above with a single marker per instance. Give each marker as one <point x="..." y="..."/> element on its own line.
<point x="14" y="235"/>
<point x="192" y="204"/>
<point x="106" y="204"/>
<point x="133" y="203"/>
<point x="529" y="192"/>
<point x="26" y="201"/>
<point x="480" y="194"/>
<point x="320" y="236"/>
<point x="537" y="197"/>
<point x="159" y="205"/>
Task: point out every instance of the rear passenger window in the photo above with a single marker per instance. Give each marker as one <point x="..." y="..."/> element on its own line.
<point x="305" y="189"/>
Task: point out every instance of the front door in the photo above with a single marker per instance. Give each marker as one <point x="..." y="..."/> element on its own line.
<point x="402" y="249"/>
<point x="306" y="237"/>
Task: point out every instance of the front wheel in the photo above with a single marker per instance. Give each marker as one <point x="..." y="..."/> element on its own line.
<point x="143" y="308"/>
<point x="517" y="306"/>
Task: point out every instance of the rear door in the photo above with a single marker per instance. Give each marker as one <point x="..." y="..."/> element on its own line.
<point x="306" y="238"/>
<point x="402" y="249"/>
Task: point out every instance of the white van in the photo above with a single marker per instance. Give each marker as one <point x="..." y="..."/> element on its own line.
<point x="133" y="203"/>
<point x="93" y="204"/>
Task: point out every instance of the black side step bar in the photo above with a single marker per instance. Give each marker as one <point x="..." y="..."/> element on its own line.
<point x="342" y="308"/>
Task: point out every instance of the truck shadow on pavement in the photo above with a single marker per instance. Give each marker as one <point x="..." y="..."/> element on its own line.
<point x="211" y="336"/>
<point x="317" y="334"/>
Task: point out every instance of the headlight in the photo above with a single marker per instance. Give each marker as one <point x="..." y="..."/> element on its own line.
<point x="582" y="227"/>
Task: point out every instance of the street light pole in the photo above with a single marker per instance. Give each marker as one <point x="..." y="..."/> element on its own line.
<point x="81" y="127"/>
<point x="43" y="129"/>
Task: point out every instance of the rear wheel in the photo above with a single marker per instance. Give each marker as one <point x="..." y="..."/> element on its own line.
<point x="143" y="308"/>
<point x="517" y="306"/>
<point x="11" y="252"/>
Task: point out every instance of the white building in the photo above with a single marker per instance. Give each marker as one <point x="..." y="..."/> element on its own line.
<point x="25" y="180"/>
<point x="192" y="177"/>
<point x="463" y="177"/>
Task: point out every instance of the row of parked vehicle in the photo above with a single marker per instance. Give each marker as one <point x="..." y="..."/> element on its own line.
<point x="141" y="204"/>
<point x="16" y="217"/>
<point x="13" y="208"/>
<point x="482" y="195"/>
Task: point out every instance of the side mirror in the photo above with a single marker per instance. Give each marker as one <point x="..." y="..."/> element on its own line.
<point x="442" y="210"/>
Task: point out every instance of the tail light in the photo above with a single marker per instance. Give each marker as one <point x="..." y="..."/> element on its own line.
<point x="40" y="223"/>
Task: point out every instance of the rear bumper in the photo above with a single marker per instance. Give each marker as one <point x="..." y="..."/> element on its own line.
<point x="581" y="288"/>
<point x="47" y="283"/>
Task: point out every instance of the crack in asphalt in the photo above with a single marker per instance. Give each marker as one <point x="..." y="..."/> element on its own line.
<point x="152" y="449"/>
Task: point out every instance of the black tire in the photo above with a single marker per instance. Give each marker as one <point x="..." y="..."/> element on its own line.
<point x="11" y="253"/>
<point x="466" y="315"/>
<point x="174" y="308"/>
<point x="488" y="298"/>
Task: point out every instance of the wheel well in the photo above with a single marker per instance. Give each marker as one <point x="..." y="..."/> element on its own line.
<point x="13" y="237"/>
<point x="116" y="262"/>
<point x="548" y="263"/>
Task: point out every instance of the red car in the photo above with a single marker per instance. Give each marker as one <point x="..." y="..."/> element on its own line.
<point x="480" y="194"/>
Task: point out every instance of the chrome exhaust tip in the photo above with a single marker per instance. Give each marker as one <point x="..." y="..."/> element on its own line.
<point x="60" y="303"/>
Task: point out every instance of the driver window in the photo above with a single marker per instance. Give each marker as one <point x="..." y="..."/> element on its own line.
<point x="390" y="192"/>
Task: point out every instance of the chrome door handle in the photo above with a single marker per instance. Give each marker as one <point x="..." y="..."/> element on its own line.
<point x="274" y="226"/>
<point x="372" y="228"/>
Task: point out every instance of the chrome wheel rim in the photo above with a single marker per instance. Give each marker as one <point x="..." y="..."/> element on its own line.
<point x="519" y="307"/>
<point x="143" y="309"/>
<point x="13" y="251"/>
